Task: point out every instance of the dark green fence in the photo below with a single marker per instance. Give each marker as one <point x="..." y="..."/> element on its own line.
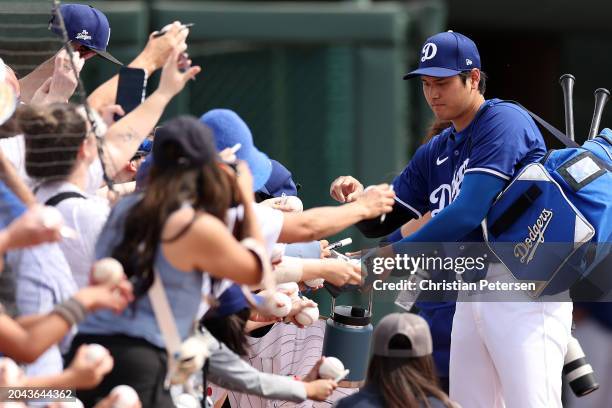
<point x="320" y="84"/>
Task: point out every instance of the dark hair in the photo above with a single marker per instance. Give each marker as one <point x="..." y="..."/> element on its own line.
<point x="405" y="382"/>
<point x="435" y="128"/>
<point x="207" y="188"/>
<point x="230" y="330"/>
<point x="482" y="85"/>
<point x="10" y="128"/>
<point x="53" y="134"/>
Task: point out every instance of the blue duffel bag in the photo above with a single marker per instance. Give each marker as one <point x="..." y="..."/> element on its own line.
<point x="552" y="225"/>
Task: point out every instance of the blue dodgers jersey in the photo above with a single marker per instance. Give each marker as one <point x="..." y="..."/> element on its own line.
<point x="500" y="140"/>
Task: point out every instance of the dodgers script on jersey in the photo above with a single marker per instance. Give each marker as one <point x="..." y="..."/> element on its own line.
<point x="500" y="140"/>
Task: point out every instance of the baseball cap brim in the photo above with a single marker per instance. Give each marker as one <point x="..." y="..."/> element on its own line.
<point x="432" y="71"/>
<point x="106" y="55"/>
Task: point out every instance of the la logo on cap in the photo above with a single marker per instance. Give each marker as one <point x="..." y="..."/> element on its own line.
<point x="83" y="35"/>
<point x="429" y="51"/>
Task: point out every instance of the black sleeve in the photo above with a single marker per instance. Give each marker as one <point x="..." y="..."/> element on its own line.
<point x="373" y="228"/>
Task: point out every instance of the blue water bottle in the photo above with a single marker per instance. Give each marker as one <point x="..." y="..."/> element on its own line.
<point x="348" y="333"/>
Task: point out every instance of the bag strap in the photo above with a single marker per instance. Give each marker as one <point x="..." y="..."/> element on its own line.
<point x="204" y="403"/>
<point x="606" y="138"/>
<point x="59" y="197"/>
<point x="560" y="136"/>
<point x="515" y="210"/>
<point x="166" y="323"/>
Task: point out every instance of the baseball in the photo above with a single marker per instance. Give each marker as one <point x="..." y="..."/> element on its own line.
<point x="294" y="204"/>
<point x="107" y="270"/>
<point x="291" y="288"/>
<point x="186" y="401"/>
<point x="314" y="283"/>
<point x="331" y="368"/>
<point x="9" y="371"/>
<point x="95" y="352"/>
<point x="127" y="396"/>
<point x="278" y="298"/>
<point x="307" y="316"/>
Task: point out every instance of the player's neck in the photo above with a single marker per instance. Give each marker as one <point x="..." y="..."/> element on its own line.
<point x="466" y="118"/>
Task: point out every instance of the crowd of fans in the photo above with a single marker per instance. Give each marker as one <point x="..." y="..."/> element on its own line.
<point x="202" y="224"/>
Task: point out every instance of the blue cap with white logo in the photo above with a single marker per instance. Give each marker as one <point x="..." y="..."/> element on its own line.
<point x="446" y="54"/>
<point x="85" y="25"/>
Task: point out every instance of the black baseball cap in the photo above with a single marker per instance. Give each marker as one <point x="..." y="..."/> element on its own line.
<point x="183" y="142"/>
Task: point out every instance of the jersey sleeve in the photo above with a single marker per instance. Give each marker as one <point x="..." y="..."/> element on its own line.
<point x="505" y="140"/>
<point x="411" y="185"/>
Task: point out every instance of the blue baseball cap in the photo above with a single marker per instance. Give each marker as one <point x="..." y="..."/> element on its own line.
<point x="87" y="26"/>
<point x="142" y="174"/>
<point x="229" y="129"/>
<point x="446" y="54"/>
<point x="145" y="147"/>
<point x="230" y="302"/>
<point x="279" y="182"/>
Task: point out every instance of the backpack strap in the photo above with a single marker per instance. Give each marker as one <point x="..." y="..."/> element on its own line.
<point x="59" y="197"/>
<point x="560" y="136"/>
<point x="606" y="138"/>
<point x="516" y="210"/>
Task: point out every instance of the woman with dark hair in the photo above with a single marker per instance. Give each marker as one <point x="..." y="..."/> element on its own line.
<point x="174" y="232"/>
<point x="401" y="373"/>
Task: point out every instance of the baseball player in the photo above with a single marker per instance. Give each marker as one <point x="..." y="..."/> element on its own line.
<point x="502" y="353"/>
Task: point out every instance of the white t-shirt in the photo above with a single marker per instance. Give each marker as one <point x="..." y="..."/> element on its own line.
<point x="271" y="224"/>
<point x="87" y="217"/>
<point x="14" y="150"/>
<point x="270" y="221"/>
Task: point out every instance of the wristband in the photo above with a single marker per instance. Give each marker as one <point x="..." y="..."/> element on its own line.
<point x="71" y="310"/>
<point x="267" y="278"/>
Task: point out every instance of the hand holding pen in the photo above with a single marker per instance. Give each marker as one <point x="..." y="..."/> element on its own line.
<point x="164" y="30"/>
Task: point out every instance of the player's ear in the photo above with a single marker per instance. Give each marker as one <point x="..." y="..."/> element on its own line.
<point x="474" y="78"/>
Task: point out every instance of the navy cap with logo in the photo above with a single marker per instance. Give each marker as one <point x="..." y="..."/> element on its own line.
<point x="280" y="182"/>
<point x="446" y="54"/>
<point x="87" y="26"/>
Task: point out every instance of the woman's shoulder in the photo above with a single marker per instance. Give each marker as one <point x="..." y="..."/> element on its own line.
<point x="188" y="222"/>
<point x="367" y="397"/>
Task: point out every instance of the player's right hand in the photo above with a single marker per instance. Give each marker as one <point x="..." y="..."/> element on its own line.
<point x="345" y="189"/>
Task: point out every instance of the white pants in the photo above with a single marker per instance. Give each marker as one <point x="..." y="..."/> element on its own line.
<point x="509" y="354"/>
